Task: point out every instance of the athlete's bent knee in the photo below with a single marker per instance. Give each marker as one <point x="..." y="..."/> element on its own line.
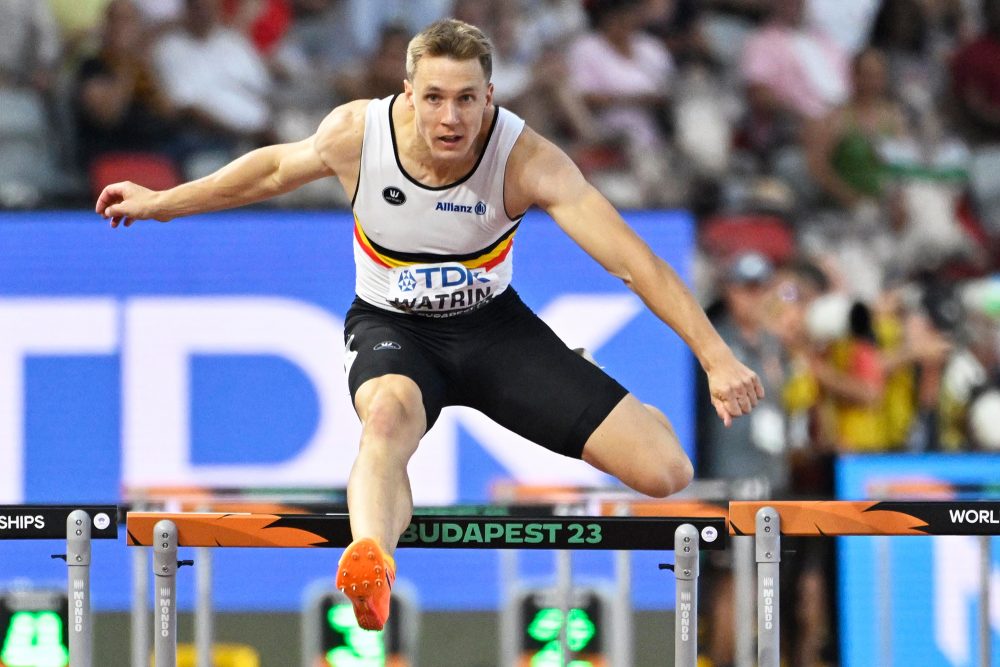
<point x="668" y="479"/>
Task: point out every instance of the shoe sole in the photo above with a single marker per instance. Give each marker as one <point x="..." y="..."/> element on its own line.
<point x="361" y="576"/>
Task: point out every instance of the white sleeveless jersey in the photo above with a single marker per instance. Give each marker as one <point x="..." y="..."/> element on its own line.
<point x="431" y="250"/>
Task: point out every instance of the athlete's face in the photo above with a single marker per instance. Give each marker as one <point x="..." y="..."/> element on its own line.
<point x="449" y="98"/>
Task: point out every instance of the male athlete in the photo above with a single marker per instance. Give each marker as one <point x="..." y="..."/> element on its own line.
<point x="440" y="178"/>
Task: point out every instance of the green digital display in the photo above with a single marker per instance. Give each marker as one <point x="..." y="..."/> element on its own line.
<point x="545" y="629"/>
<point x="359" y="648"/>
<point x="34" y="639"/>
<point x="541" y="644"/>
<point x="345" y="644"/>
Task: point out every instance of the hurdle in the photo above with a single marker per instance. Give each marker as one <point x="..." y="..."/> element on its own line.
<point x="768" y="521"/>
<point x="165" y="532"/>
<point x="78" y="525"/>
<point x="256" y="500"/>
<point x="271" y="500"/>
<point x="923" y="489"/>
<point x="701" y="498"/>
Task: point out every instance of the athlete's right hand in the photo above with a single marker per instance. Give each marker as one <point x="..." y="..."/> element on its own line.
<point x="127" y="202"/>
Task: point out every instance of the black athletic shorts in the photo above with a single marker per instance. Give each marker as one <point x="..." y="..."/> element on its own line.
<point x="500" y="359"/>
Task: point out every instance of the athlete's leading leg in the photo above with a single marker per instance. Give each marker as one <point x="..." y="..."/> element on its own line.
<point x="637" y="444"/>
<point x="378" y="492"/>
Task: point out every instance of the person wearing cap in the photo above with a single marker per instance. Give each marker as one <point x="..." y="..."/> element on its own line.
<point x="723" y="451"/>
<point x="752" y="447"/>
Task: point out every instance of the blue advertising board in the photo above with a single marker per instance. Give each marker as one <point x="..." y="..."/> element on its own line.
<point x="914" y="600"/>
<point x="208" y="352"/>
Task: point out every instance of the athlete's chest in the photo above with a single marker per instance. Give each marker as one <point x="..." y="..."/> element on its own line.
<point x="404" y="217"/>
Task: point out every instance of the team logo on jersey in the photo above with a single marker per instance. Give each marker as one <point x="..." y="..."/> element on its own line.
<point x="387" y="345"/>
<point x="449" y="207"/>
<point x="394" y="196"/>
<point x="406" y="281"/>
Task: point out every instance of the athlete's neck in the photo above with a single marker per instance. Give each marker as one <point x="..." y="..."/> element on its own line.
<point x="417" y="159"/>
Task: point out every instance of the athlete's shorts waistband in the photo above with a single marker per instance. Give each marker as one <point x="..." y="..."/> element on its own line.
<point x="504" y="296"/>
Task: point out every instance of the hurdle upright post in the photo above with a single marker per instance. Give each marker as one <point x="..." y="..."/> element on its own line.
<point x="686" y="555"/>
<point x="165" y="593"/>
<point x="78" y="562"/>
<point x="204" y="627"/>
<point x="139" y="624"/>
<point x="985" y="629"/>
<point x="768" y="543"/>
<point x="564" y="588"/>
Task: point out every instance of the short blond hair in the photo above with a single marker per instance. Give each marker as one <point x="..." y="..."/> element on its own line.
<point x="453" y="39"/>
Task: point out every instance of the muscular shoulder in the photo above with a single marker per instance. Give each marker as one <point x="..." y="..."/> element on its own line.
<point x="339" y="137"/>
<point x="538" y="173"/>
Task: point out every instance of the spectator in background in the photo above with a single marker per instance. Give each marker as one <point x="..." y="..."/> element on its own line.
<point x="975" y="72"/>
<point x="263" y="22"/>
<point x="843" y="147"/>
<point x="970" y="384"/>
<point x="161" y="15"/>
<point x="937" y="318"/>
<point x="29" y="45"/>
<point x="119" y="102"/>
<point x="847" y="22"/>
<point x="29" y="49"/>
<point x="79" y="22"/>
<point x="216" y="77"/>
<point x="548" y="22"/>
<point x="904" y="350"/>
<point x="382" y="70"/>
<point x="319" y="44"/>
<point x="900" y="195"/>
<point x="903" y="33"/>
<point x="512" y="56"/>
<point x="787" y="64"/>
<point x="624" y="77"/>
<point x="850" y="371"/>
<point x="752" y="447"/>
<point x="679" y="26"/>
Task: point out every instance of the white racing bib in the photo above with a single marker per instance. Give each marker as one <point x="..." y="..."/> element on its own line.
<point x="441" y="288"/>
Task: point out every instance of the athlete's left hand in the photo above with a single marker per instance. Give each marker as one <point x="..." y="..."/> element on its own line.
<point x="735" y="389"/>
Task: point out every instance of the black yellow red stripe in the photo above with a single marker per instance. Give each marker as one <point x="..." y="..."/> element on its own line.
<point x="487" y="258"/>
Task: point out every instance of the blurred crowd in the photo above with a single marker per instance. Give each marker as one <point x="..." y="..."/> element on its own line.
<point x="841" y="158"/>
<point x="847" y="151"/>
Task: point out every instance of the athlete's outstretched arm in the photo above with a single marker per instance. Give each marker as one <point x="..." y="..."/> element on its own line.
<point x="258" y="175"/>
<point x="541" y="174"/>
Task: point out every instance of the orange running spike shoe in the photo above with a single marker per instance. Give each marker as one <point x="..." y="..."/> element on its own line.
<point x="365" y="575"/>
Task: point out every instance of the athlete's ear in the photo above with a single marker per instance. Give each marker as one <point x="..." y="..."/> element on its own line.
<point x="408" y="92"/>
<point x="489" y="93"/>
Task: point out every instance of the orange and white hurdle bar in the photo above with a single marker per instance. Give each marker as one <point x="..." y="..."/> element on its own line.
<point x="165" y="532"/>
<point x="764" y="520"/>
<point x="77" y="525"/>
<point x="768" y="521"/>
